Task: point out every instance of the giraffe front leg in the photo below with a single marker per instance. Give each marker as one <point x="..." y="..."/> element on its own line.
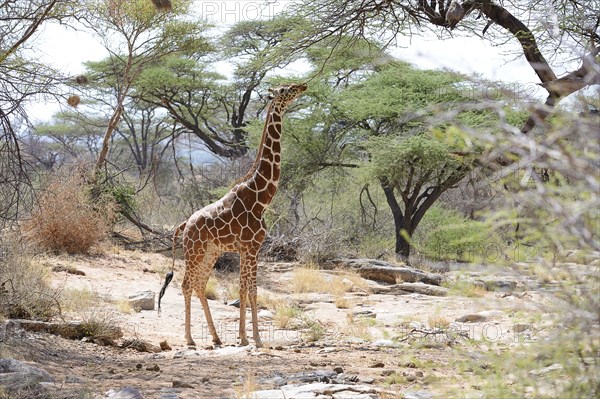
<point x="243" y="297"/>
<point x="253" y="307"/>
<point x="248" y="280"/>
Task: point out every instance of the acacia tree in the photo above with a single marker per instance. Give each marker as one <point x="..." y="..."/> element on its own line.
<point x="135" y="36"/>
<point x="378" y="114"/>
<point x="203" y="101"/>
<point x="413" y="173"/>
<point x="570" y="29"/>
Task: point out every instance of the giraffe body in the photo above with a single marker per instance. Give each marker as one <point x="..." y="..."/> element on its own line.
<point x="234" y="224"/>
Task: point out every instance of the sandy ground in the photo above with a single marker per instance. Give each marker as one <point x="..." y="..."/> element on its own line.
<point x="357" y="339"/>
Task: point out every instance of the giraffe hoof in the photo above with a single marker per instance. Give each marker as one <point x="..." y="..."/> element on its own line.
<point x="191" y="343"/>
<point x="217" y="342"/>
<point x="244" y="342"/>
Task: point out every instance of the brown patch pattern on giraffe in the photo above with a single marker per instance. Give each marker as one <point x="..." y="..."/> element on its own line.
<point x="234" y="224"/>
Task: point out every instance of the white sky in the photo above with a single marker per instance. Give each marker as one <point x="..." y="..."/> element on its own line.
<point x="66" y="50"/>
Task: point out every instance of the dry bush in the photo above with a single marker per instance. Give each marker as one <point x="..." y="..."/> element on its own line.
<point x="101" y="323"/>
<point x="25" y="291"/>
<point x="66" y="219"/>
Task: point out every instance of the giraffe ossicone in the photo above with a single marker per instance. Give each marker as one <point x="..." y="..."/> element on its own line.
<point x="234" y="224"/>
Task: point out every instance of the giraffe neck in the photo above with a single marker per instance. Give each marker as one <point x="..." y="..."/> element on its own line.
<point x="263" y="177"/>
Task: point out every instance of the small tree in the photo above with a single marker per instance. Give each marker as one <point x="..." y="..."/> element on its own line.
<point x="413" y="172"/>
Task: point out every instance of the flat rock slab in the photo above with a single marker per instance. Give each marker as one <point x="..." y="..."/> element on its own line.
<point x="124" y="393"/>
<point x="318" y="390"/>
<point x="382" y="271"/>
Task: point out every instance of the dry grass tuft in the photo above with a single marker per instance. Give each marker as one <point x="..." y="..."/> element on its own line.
<point x="25" y="290"/>
<point x="308" y="279"/>
<point x="285" y="314"/>
<point x="342" y="303"/>
<point x="124" y="306"/>
<point x="212" y="286"/>
<point x="79" y="299"/>
<point x="66" y="219"/>
<point x="246" y="389"/>
<point x="437" y="321"/>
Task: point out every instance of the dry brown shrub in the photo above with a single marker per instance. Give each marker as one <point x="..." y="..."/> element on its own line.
<point x="66" y="219"/>
<point x="25" y="290"/>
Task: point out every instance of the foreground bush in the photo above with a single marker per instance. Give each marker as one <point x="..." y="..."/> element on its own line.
<point x="25" y="291"/>
<point x="66" y="219"/>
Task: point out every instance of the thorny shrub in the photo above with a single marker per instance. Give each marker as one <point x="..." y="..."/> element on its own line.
<point x="66" y="218"/>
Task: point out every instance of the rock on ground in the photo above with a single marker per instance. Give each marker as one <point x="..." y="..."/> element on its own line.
<point x="317" y="390"/>
<point x="379" y="270"/>
<point x="142" y="300"/>
<point x="16" y="375"/>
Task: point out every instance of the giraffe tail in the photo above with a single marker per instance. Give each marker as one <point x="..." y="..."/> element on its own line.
<point x="169" y="275"/>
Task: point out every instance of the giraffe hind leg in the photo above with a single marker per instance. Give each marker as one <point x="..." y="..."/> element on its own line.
<point x="187" y="290"/>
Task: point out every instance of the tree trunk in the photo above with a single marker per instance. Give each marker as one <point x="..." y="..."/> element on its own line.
<point x="112" y="125"/>
<point x="402" y="245"/>
<point x="401" y="221"/>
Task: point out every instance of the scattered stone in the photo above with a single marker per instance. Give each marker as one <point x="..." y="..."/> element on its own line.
<point x="364" y="313"/>
<point x="417" y="395"/>
<point x="68" y="269"/>
<point x="164" y="345"/>
<point x="142" y="300"/>
<point x="169" y="393"/>
<point x="410" y="365"/>
<point x="138" y="366"/>
<point x="521" y="327"/>
<point x="387" y="373"/>
<point x="411" y="378"/>
<point x="153" y="368"/>
<point x="235" y="303"/>
<point x="471" y="318"/>
<point x="140" y="345"/>
<point x="181" y="384"/>
<point x="124" y="393"/>
<point x="422" y="288"/>
<point x="546" y="370"/>
<point x="19" y="376"/>
<point x="317" y="390"/>
<point x="267" y="314"/>
<point x="366" y="380"/>
<point x="278" y="348"/>
<point x="386" y="343"/>
<point x="338" y="370"/>
<point x="377" y="365"/>
<point x="73" y="379"/>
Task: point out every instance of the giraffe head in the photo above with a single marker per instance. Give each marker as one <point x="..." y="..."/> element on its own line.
<point x="285" y="94"/>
